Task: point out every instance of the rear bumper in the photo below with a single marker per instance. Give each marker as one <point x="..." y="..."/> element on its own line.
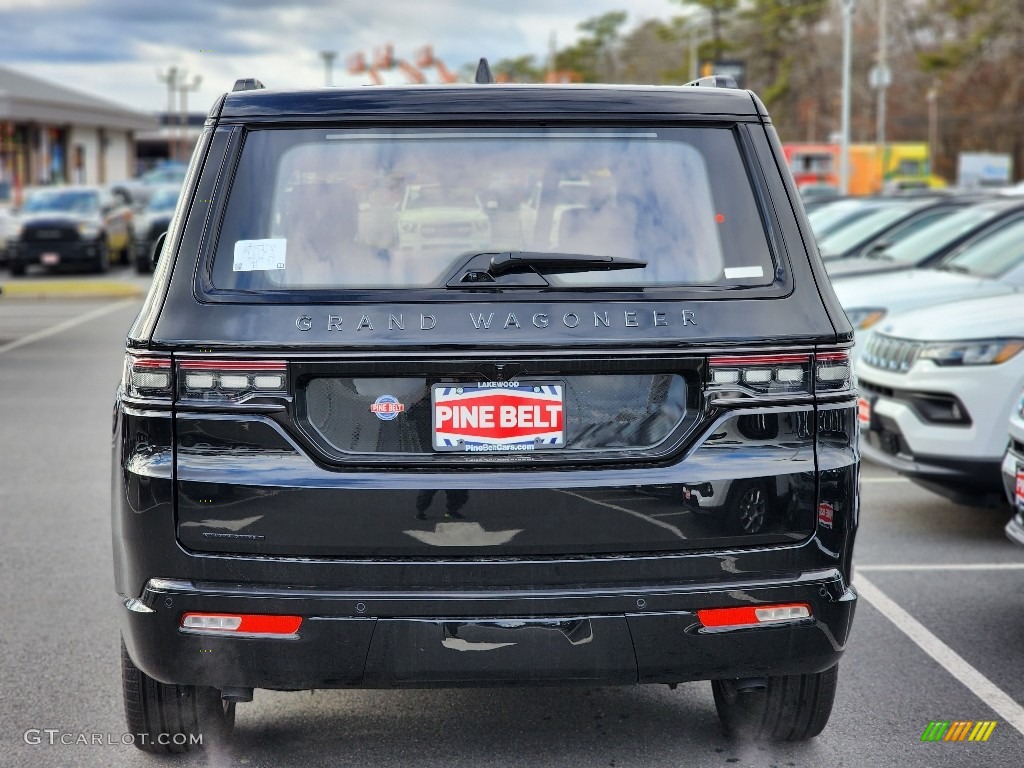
<point x="386" y="640"/>
<point x="77" y="252"/>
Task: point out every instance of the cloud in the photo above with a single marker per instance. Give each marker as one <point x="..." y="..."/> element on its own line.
<point x="114" y="48"/>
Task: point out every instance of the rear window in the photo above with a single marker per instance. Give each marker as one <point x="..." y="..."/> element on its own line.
<point x="314" y="209"/>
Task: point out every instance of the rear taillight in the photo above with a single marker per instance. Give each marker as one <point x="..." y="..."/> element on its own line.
<point x="778" y="375"/>
<point x="832" y="371"/>
<point x="745" y="375"/>
<point x="148" y="377"/>
<point x="231" y="379"/>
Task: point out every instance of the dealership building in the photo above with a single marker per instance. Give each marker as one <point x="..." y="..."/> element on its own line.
<point x="50" y="134"/>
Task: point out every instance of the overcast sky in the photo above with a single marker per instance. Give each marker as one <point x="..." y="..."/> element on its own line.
<point x="115" y="48"/>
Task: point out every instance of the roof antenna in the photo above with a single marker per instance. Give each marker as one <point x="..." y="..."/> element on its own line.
<point x="483" y="73"/>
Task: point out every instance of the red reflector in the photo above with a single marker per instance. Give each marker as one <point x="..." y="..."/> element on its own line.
<point x="833" y="357"/>
<point x="241" y="623"/>
<point x="758" y="360"/>
<point x="753" y="614"/>
<point x="149" y="362"/>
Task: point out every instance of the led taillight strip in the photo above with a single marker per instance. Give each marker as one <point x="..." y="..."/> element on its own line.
<point x="786" y="372"/>
<point x="753" y="615"/>
<point x="233" y="378"/>
<point x="148" y="376"/>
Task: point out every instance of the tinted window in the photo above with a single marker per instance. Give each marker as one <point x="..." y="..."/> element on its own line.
<point x="931" y="239"/>
<point x="992" y="254"/>
<point x="65" y="201"/>
<point x="845" y="237"/>
<point x="371" y="209"/>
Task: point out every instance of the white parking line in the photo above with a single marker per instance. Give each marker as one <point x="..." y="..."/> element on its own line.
<point x="993" y="696"/>
<point x="70" y="323"/>
<point x="941" y="567"/>
<point x="634" y="513"/>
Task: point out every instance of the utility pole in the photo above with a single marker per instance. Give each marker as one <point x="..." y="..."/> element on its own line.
<point x="933" y="123"/>
<point x="844" y="130"/>
<point x="171" y="79"/>
<point x="328" y="57"/>
<point x="183" y="90"/>
<point x="884" y="77"/>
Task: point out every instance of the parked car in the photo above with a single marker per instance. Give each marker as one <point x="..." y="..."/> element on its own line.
<point x="440" y="220"/>
<point x="989" y="265"/>
<point x="346" y="466"/>
<point x="7" y="225"/>
<point x="932" y="243"/>
<point x="152" y="222"/>
<point x="75" y="226"/>
<point x="874" y="232"/>
<point x="936" y="388"/>
<point x="1013" y="472"/>
<point x="827" y="219"/>
<point x="139" y="190"/>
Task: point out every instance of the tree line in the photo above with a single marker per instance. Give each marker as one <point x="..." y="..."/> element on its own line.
<point x="957" y="65"/>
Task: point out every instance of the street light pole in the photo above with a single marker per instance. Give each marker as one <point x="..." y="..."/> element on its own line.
<point x="883" y="72"/>
<point x="183" y="90"/>
<point x="844" y="130"/>
<point x="328" y="57"/>
<point x="171" y="79"/>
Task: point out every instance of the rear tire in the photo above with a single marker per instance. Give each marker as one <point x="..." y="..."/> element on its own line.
<point x="166" y="718"/>
<point x="102" y="262"/>
<point x="793" y="708"/>
<point x="17" y="270"/>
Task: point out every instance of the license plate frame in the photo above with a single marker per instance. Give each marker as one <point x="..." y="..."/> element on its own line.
<point x="477" y="419"/>
<point x="49" y="259"/>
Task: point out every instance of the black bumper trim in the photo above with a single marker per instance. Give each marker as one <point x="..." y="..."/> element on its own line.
<point x="374" y="640"/>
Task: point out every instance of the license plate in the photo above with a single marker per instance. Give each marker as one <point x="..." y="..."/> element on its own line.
<point x="1020" y="486"/>
<point x="50" y="259"/>
<point x="498" y="417"/>
<point x="864" y="411"/>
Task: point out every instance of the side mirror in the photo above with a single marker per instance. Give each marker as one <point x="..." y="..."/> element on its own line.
<point x="158" y="246"/>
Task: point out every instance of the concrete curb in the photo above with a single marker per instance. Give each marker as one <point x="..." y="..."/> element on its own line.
<point x="69" y="289"/>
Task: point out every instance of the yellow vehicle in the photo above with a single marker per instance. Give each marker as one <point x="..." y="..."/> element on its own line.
<point x="874" y="169"/>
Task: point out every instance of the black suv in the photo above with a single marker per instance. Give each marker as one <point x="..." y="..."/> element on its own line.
<point x="483" y="385"/>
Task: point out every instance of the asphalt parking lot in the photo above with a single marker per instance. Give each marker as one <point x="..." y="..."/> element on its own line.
<point x="939" y="633"/>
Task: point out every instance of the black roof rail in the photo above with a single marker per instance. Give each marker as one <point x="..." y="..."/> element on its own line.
<point x="715" y="81"/>
<point x="483" y="73"/>
<point x="247" y="84"/>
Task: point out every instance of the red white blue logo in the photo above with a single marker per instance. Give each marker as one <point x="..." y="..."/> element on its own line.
<point x="387" y="407"/>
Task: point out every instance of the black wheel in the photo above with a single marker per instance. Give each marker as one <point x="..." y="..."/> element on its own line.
<point x="102" y="261"/>
<point x="749" y="506"/>
<point x="142" y="263"/>
<point x="168" y="718"/>
<point x="128" y="252"/>
<point x="17" y="270"/>
<point x="792" y="708"/>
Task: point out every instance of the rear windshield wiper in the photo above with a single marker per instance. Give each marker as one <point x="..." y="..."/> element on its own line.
<point x="482" y="268"/>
